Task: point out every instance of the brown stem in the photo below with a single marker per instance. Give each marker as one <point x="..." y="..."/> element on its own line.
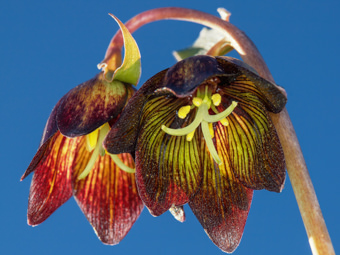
<point x="317" y="232"/>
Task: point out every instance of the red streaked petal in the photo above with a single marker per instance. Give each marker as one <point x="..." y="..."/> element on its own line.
<point x="51" y="184"/>
<point x="108" y="196"/>
<point x="49" y="130"/>
<point x="221" y="205"/>
<point x="90" y="105"/>
<point x="168" y="168"/>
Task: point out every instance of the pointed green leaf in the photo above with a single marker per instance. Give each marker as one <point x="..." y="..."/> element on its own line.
<point x="130" y="70"/>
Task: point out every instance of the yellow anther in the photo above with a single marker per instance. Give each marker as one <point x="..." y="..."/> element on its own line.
<point x="216" y="98"/>
<point x="91" y="140"/>
<point x="224" y="122"/>
<point x="197" y="101"/>
<point x="190" y="136"/>
<point x="211" y="130"/>
<point x="183" y="111"/>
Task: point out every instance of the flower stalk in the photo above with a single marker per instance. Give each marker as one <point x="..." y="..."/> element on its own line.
<point x="316" y="229"/>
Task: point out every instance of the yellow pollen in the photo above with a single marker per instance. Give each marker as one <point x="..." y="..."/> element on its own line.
<point x="190" y="136"/>
<point x="216" y="98"/>
<point x="183" y="111"/>
<point x="224" y="122"/>
<point x="197" y="101"/>
<point x="211" y="130"/>
<point x="91" y="140"/>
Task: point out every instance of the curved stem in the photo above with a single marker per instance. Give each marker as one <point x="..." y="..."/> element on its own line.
<point x="317" y="232"/>
<point x="238" y="39"/>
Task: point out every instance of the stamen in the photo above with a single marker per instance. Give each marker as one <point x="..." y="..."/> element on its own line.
<point x="103" y="130"/>
<point x="216" y="98"/>
<point x="224" y="122"/>
<point x="91" y="140"/>
<point x="183" y="111"/>
<point x="121" y="164"/>
<point x="204" y="118"/>
<point x="211" y="130"/>
<point x="188" y="129"/>
<point x="197" y="101"/>
<point x="99" y="150"/>
<point x="217" y="117"/>
<point x="190" y="136"/>
<point x="209" y="142"/>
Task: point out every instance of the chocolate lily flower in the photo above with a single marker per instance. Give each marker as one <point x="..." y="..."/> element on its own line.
<point x="202" y="135"/>
<point x="71" y="159"/>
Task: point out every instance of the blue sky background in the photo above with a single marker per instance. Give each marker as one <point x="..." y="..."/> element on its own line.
<point x="48" y="47"/>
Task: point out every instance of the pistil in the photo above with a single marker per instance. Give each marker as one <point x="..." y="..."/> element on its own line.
<point x="204" y="119"/>
<point x="94" y="142"/>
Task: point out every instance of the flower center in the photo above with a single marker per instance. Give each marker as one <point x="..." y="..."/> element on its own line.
<point x="204" y="102"/>
<point x="94" y="142"/>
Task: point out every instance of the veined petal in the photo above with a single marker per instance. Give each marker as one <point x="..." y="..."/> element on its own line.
<point x="168" y="168"/>
<point x="49" y="130"/>
<point x="248" y="79"/>
<point x="123" y="134"/>
<point x="51" y="184"/>
<point x="108" y="196"/>
<point x="90" y="105"/>
<point x="252" y="145"/>
<point x="221" y="204"/>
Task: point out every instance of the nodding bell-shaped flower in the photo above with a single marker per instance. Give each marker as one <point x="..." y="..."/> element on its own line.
<point x="201" y="134"/>
<point x="71" y="160"/>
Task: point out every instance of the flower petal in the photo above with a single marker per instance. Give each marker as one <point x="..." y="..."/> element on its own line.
<point x="51" y="182"/>
<point x="178" y="213"/>
<point x="90" y="105"/>
<point x="251" y="144"/>
<point x="268" y="92"/>
<point x="168" y="168"/>
<point x="108" y="196"/>
<point x="123" y="134"/>
<point x="222" y="204"/>
<point x="185" y="76"/>
<point x="49" y="130"/>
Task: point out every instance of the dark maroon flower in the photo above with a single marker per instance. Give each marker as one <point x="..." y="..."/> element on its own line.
<point x="201" y="134"/>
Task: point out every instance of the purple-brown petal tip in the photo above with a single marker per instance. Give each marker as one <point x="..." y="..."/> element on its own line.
<point x="184" y="77"/>
<point x="90" y="105"/>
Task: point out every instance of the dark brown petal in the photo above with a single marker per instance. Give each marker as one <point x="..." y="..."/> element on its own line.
<point x="247" y="79"/>
<point x="90" y="105"/>
<point x="51" y="125"/>
<point x="51" y="183"/>
<point x="252" y="145"/>
<point x="222" y="203"/>
<point x="168" y="168"/>
<point x="108" y="196"/>
<point x="185" y="76"/>
<point x="123" y="134"/>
